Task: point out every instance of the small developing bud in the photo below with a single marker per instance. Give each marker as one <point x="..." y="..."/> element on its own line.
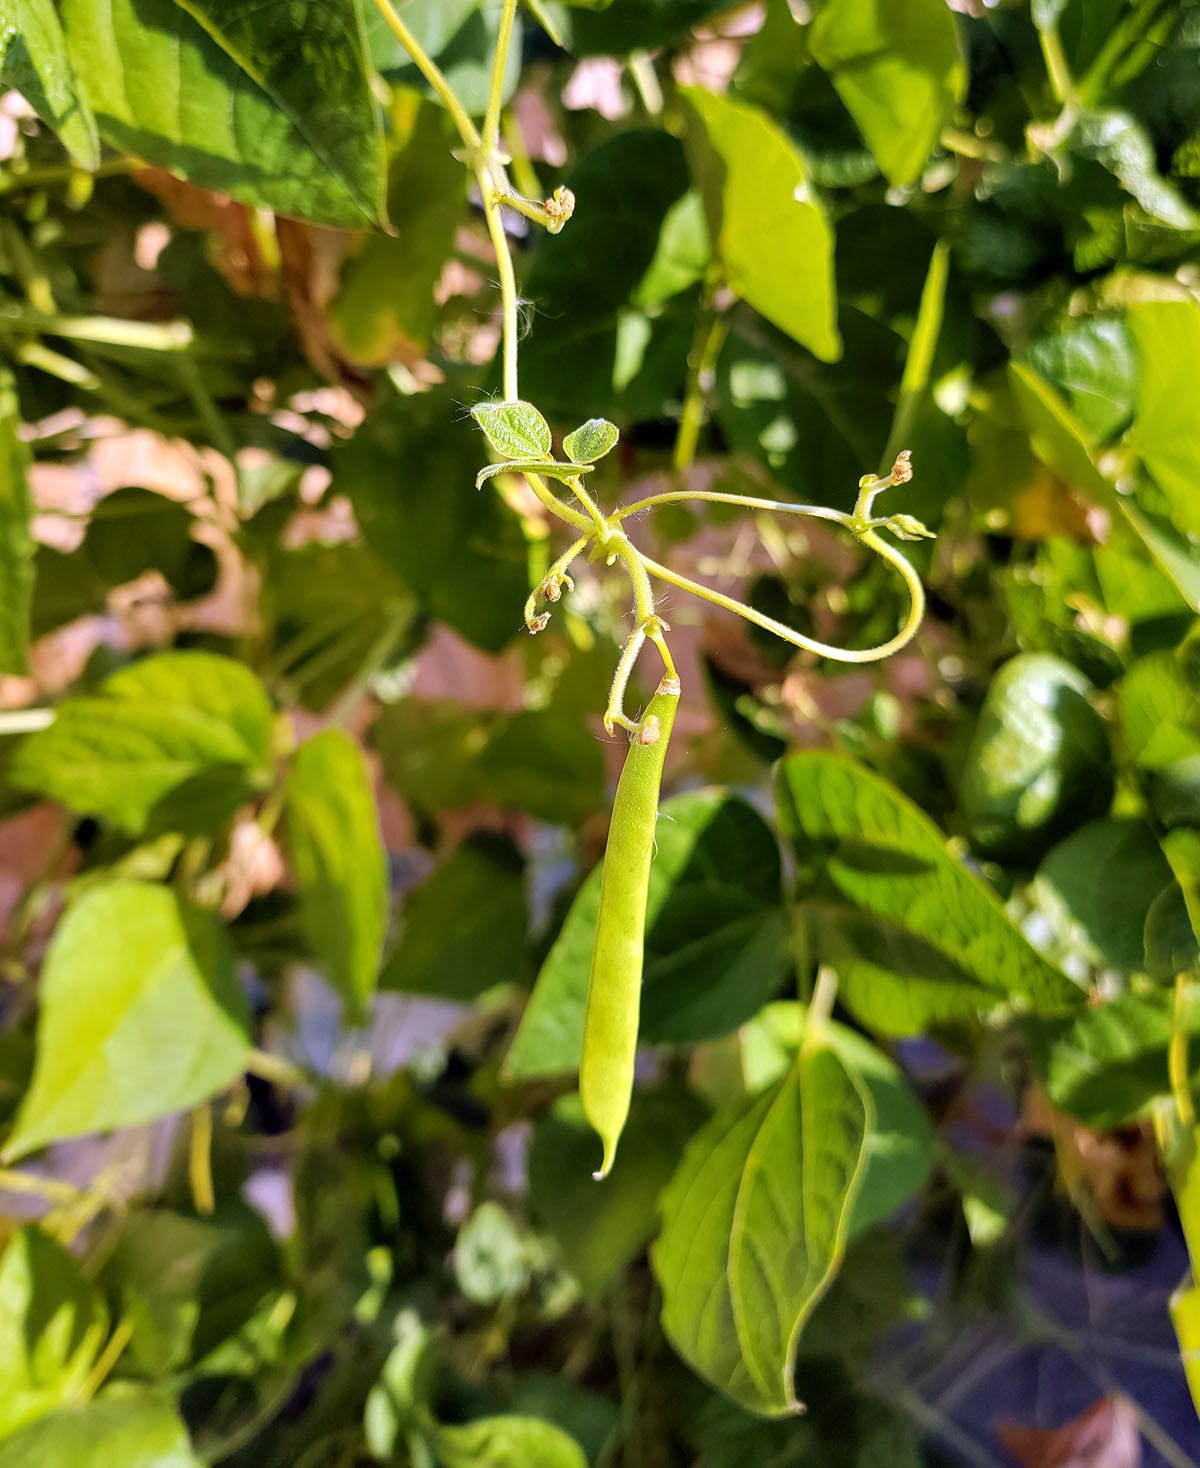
<point x="902" y="469"/>
<point x="649" y="732"/>
<point x="907" y="527"/>
<point x="554" y="585"/>
<point x="669" y="686"/>
<point x="559" y="207"/>
<point x="539" y="624"/>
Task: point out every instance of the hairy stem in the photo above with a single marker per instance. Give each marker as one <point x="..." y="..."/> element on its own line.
<point x="432" y="73"/>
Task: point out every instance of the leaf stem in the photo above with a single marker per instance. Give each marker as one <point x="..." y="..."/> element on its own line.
<point x="200" y="1161"/>
<point x="30" y="1184"/>
<point x="432" y="73"/>
<point x="709" y="338"/>
<point x="491" y="121"/>
<point x="1177" y="1053"/>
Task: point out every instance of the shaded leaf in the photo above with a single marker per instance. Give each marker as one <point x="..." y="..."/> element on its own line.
<point x="1166" y="435"/>
<point x="715" y="945"/>
<point x="341" y="868"/>
<point x="498" y="1442"/>
<point x="141" y="1014"/>
<point x="16" y="541"/>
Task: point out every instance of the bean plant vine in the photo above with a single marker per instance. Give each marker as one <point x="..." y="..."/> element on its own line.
<point x="522" y="438"/>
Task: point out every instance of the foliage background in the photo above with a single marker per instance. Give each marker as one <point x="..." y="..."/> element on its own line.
<point x="312" y="812"/>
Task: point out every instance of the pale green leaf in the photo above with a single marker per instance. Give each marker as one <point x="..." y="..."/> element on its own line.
<point x="1185" y="1317"/>
<point x="923" y="938"/>
<point x="548" y="468"/>
<point x="772" y="238"/>
<point x="141" y="1015"/>
<point x="341" y="868"/>
<point x="16" y="541"/>
<point x="515" y="430"/>
<point x="1166" y="432"/>
<point x="896" y="65"/>
<point x="34" y="60"/>
<point x="268" y="103"/>
<point x="125" y="1427"/>
<point x="591" y="441"/>
<point x="1159" y="711"/>
<point x="152" y="728"/>
<point x="754" y="1227"/>
<point x="715" y="943"/>
<point x="52" y="1325"/>
<point x="507" y="1442"/>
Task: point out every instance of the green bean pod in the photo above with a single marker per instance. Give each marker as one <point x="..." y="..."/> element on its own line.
<point x="614" y="987"/>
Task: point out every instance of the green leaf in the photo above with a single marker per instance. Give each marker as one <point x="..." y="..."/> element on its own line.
<point x="591" y="441"/>
<point x="897" y="67"/>
<point x="341" y="868"/>
<point x="715" y="944"/>
<point x="599" y="1230"/>
<point x="439" y="755"/>
<point x="141" y="1015"/>
<point x="52" y="1325"/>
<point x="925" y="939"/>
<point x="1159" y="712"/>
<point x="151" y="728"/>
<point x="548" y="468"/>
<point x="491" y="1258"/>
<point x="16" y="541"/>
<point x="34" y="60"/>
<point x="1094" y="365"/>
<point x="754" y="1226"/>
<point x="385" y="308"/>
<point x="125" y="1427"/>
<point x="1185" y="1317"/>
<point x="410" y="476"/>
<point x="772" y="238"/>
<point x="1097" y="886"/>
<point x="188" y="1285"/>
<point x="514" y="430"/>
<point x="503" y="1442"/>
<point x="1109" y="1063"/>
<point x="465" y="926"/>
<point x="1166" y="435"/>
<point x="270" y="104"/>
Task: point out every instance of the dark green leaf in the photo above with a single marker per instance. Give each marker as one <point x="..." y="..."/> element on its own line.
<point x="34" y="60"/>
<point x="141" y="1015"/>
<point x="1096" y="888"/>
<point x="715" y="945"/>
<point x="601" y="1229"/>
<point x="410" y="474"/>
<point x="151" y="728"/>
<point x="465" y="925"/>
<point x="772" y="238"/>
<point x="930" y="940"/>
<point x="271" y="105"/>
<point x="898" y="69"/>
<point x="341" y="868"/>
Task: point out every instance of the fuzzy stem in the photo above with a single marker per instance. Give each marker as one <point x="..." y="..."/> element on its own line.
<point x="432" y="73"/>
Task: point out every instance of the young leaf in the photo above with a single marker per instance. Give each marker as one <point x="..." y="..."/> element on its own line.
<point x="141" y="1015"/>
<point x="268" y="103"/>
<point x="715" y="940"/>
<point x="341" y="867"/>
<point x="898" y="69"/>
<point x="591" y="441"/>
<point x="52" y="1325"/>
<point x="923" y="938"/>
<point x="34" y="60"/>
<point x="550" y="469"/>
<point x="16" y="542"/>
<point x="132" y="1426"/>
<point x="771" y="238"/>
<point x="514" y="430"/>
<point x="152" y="728"/>
<point x="754" y="1226"/>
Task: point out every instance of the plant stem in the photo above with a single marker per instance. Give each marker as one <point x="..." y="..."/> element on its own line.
<point x="25" y="721"/>
<point x="200" y="1160"/>
<point x="30" y="1184"/>
<point x="743" y="501"/>
<point x="508" y="283"/>
<point x="274" y="1068"/>
<point x="432" y="73"/>
<point x="1177" y="1053"/>
<point x="107" y="1359"/>
<point x="709" y="338"/>
<point x="37" y="178"/>
<point x="491" y="120"/>
<point x="1061" y="82"/>
<point x="556" y="507"/>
